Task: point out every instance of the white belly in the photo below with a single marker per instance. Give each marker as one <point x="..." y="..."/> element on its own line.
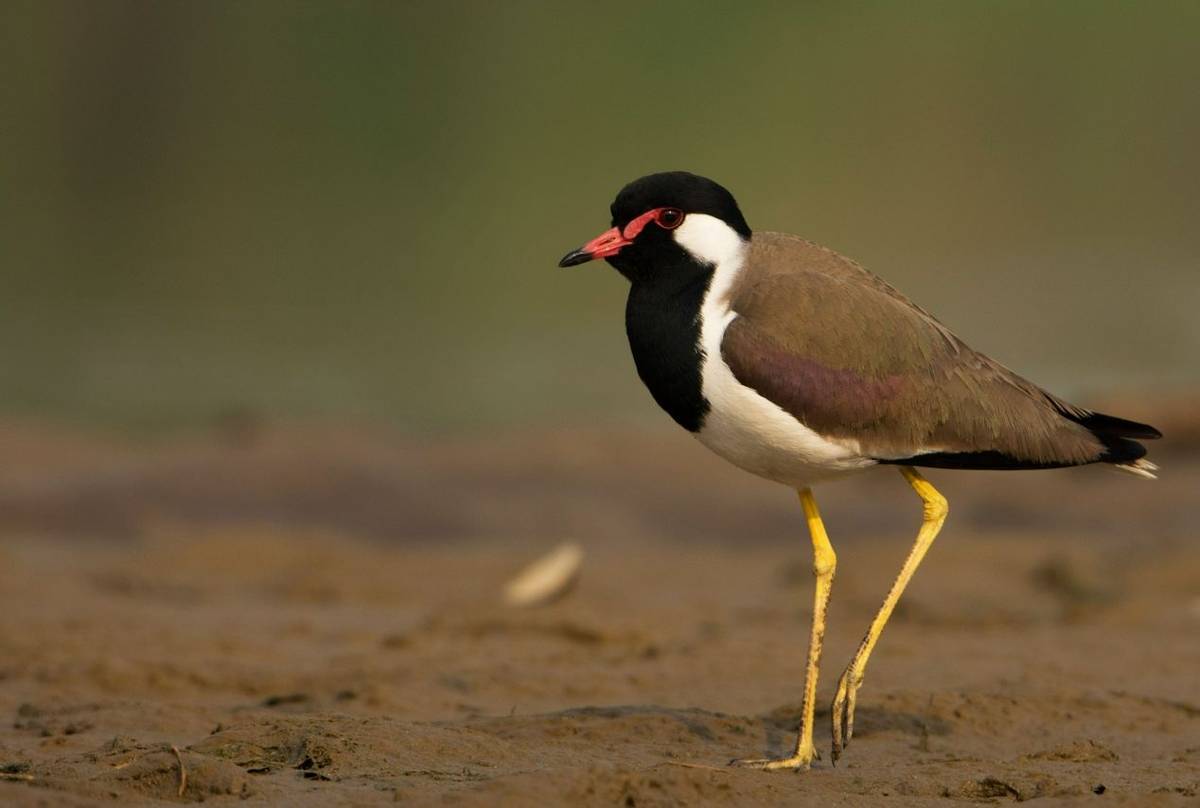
<point x="742" y="426"/>
<point x="760" y="437"/>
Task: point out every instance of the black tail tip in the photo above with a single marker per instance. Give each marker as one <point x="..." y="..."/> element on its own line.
<point x="1121" y="450"/>
<point x="1110" y="426"/>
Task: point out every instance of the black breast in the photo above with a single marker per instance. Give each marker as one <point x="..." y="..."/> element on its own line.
<point x="663" y="325"/>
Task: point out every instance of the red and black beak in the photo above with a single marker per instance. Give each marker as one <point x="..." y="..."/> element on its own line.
<point x="610" y="242"/>
<point x="607" y="243"/>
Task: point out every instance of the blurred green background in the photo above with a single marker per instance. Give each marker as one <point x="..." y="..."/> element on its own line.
<point x="354" y="210"/>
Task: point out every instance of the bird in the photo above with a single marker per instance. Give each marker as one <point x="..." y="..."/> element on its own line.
<point x="798" y="365"/>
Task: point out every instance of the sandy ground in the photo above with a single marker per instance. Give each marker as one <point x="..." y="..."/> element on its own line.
<point x="305" y="616"/>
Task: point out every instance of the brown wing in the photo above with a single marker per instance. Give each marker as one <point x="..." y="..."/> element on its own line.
<point x="852" y="358"/>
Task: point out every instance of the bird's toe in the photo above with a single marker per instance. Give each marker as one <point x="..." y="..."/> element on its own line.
<point x="843" y="711"/>
<point x="793" y="763"/>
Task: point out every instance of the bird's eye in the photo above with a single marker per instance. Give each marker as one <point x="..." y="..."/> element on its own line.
<point x="669" y="218"/>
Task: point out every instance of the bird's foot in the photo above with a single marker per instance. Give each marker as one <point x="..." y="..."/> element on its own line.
<point x="797" y="762"/>
<point x="843" y="710"/>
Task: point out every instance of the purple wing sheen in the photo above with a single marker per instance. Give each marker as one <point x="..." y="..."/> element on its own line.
<point x="851" y="358"/>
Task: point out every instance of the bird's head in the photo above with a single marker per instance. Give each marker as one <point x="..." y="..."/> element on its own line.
<point x="665" y="225"/>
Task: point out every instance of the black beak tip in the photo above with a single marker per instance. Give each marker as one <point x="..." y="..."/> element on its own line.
<point x="575" y="258"/>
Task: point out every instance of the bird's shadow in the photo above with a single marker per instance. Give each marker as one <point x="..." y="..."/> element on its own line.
<point x="650" y="723"/>
<point x="781" y="724"/>
<point x="693" y="720"/>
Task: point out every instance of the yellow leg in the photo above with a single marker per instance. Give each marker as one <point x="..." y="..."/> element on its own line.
<point x="935" y="510"/>
<point x="824" y="564"/>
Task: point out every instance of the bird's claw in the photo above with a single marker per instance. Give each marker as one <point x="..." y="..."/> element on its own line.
<point x="798" y="762"/>
<point x="843" y="710"/>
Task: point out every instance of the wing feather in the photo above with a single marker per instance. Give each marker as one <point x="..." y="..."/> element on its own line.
<point x="853" y="359"/>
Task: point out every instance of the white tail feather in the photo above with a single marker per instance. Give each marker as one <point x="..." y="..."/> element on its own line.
<point x="1142" y="468"/>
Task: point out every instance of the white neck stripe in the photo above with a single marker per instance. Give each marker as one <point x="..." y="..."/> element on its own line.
<point x="709" y="240"/>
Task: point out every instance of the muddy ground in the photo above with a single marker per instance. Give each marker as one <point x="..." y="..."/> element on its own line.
<point x="301" y="615"/>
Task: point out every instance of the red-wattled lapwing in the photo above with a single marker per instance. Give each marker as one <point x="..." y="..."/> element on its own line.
<point x="798" y="365"/>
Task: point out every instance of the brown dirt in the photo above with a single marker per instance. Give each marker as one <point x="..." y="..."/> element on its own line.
<point x="312" y="617"/>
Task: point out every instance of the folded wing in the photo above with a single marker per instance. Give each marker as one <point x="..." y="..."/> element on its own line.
<point x="854" y="360"/>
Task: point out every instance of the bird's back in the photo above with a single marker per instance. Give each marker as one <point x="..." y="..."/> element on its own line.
<point x="852" y="358"/>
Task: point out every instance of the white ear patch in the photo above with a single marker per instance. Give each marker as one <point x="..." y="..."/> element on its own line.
<point x="709" y="239"/>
